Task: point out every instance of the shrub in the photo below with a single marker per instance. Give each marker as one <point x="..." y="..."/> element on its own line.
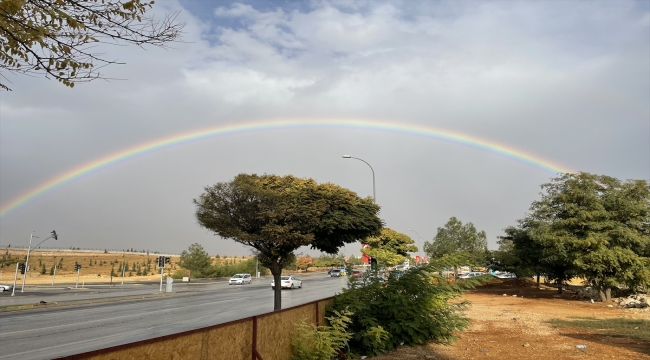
<point x="179" y="274"/>
<point x="413" y="308"/>
<point x="311" y="342"/>
<point x="229" y="269"/>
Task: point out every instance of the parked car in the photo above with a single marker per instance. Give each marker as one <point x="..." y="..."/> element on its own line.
<point x="289" y="282"/>
<point x="470" y="275"/>
<point x="240" y="279"/>
<point x="337" y="273"/>
<point x="5" y="287"/>
<point x="505" y="275"/>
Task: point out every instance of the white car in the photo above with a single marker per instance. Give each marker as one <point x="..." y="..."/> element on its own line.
<point x="470" y="275"/>
<point x="506" y="275"/>
<point x="5" y="287"/>
<point x="289" y="282"/>
<point x="240" y="279"/>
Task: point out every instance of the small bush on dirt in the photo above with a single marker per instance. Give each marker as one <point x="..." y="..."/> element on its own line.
<point x="311" y="342"/>
<point x="411" y="307"/>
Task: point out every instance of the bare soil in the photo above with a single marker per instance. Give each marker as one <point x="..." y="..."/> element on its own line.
<point x="506" y="326"/>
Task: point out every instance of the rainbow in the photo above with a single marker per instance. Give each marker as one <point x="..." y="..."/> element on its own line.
<point x="261" y="125"/>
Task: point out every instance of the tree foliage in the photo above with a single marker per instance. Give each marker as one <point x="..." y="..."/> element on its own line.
<point x="592" y="226"/>
<point x="275" y="215"/>
<point x="329" y="260"/>
<point x="58" y="38"/>
<point x="303" y="263"/>
<point x="392" y="241"/>
<point x="196" y="260"/>
<point x="226" y="269"/>
<point x="385" y="257"/>
<point x="455" y="237"/>
<point x="518" y="253"/>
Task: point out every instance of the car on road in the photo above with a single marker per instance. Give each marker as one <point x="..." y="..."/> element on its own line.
<point x="337" y="273"/>
<point x="5" y="287"/>
<point x="505" y="275"/>
<point x="240" y="279"/>
<point x="470" y="275"/>
<point x="356" y="273"/>
<point x="288" y="282"/>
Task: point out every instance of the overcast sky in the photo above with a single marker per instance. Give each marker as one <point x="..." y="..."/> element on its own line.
<point x="566" y="81"/>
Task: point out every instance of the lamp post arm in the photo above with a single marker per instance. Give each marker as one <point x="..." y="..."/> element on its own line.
<point x="374" y="196"/>
<point x="42" y="242"/>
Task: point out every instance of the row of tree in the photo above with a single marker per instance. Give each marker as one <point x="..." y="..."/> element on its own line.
<point x="590" y="226"/>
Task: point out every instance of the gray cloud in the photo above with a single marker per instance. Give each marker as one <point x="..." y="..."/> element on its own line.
<point x="567" y="81"/>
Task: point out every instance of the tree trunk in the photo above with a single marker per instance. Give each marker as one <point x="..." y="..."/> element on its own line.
<point x="608" y="293"/>
<point x="559" y="286"/>
<point x="276" y="270"/>
<point x="538" y="286"/>
<point x="602" y="295"/>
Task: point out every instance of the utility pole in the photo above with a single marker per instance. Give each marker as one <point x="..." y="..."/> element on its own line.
<point x="123" y="269"/>
<point x="13" y="290"/>
<point x="22" y="288"/>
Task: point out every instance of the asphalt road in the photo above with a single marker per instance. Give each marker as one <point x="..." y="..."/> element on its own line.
<point x="63" y="293"/>
<point x="66" y="330"/>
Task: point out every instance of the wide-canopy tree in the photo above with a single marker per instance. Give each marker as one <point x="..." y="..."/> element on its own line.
<point x="275" y="215"/>
<point x="58" y="38"/>
<point x="390" y="247"/>
<point x="597" y="227"/>
<point x="393" y="241"/>
<point x="456" y="237"/>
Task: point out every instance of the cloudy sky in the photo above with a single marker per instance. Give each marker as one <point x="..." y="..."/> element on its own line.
<point x="567" y="82"/>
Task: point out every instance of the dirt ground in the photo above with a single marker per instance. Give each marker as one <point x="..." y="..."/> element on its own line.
<point x="99" y="271"/>
<point x="514" y="327"/>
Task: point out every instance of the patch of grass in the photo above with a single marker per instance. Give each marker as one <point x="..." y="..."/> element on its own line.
<point x="625" y="328"/>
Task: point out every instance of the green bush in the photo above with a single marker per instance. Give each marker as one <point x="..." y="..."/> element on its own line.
<point x="412" y="307"/>
<point x="178" y="274"/>
<point x="230" y="269"/>
<point x="311" y="342"/>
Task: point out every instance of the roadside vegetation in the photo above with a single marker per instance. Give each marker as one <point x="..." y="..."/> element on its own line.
<point x="593" y="227"/>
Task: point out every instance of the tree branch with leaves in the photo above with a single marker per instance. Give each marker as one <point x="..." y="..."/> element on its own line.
<point x="58" y="38"/>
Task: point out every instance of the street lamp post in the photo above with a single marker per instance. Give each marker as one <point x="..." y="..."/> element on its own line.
<point x="29" y="250"/>
<point x="419" y="248"/>
<point x="374" y="197"/>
